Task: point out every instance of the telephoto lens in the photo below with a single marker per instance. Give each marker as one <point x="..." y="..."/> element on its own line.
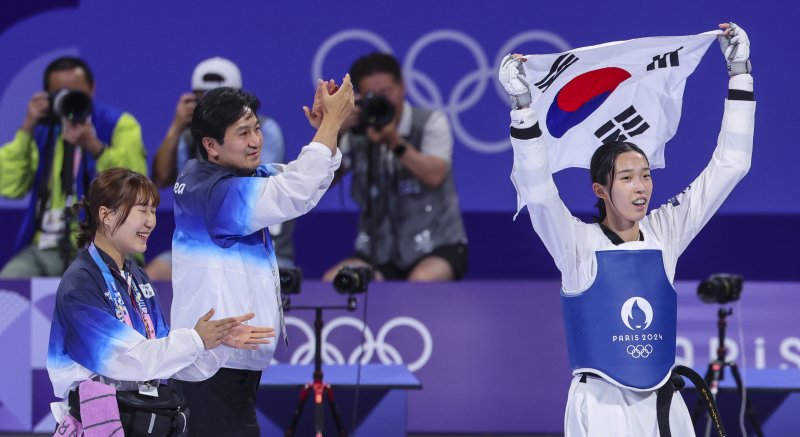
<point x="376" y="111"/>
<point x="720" y="288"/>
<point x="74" y="106"/>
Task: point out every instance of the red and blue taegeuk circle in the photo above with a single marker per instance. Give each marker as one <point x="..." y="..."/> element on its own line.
<point x="581" y="96"/>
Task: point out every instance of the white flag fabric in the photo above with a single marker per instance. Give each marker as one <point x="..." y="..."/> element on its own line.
<point x="625" y="90"/>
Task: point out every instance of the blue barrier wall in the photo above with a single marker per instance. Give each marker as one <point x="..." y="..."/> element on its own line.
<point x="470" y="344"/>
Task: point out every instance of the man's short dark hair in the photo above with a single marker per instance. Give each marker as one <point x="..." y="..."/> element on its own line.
<point x="375" y="62"/>
<point x="66" y="63"/>
<point x="217" y="110"/>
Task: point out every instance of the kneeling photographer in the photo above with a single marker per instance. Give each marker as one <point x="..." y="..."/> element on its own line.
<point x="400" y="157"/>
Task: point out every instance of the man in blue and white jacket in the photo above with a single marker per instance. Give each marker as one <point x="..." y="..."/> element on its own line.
<point x="222" y="253"/>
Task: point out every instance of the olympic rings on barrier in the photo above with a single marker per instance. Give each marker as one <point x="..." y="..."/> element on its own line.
<point x="639" y="351"/>
<point x="386" y="352"/>
<point x="416" y="81"/>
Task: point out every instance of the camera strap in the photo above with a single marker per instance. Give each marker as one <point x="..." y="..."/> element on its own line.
<point x="46" y="152"/>
<point x="68" y="168"/>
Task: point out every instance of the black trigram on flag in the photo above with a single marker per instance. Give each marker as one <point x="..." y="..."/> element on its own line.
<point x="669" y="59"/>
<point x="625" y="125"/>
<point x="562" y="63"/>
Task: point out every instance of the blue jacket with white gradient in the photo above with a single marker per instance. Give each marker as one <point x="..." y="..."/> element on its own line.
<point x="87" y="341"/>
<point x="222" y="255"/>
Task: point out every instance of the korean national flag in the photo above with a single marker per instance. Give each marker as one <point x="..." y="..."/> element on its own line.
<point x="626" y="90"/>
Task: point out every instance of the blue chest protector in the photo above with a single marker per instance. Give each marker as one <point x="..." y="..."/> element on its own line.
<point x="624" y="326"/>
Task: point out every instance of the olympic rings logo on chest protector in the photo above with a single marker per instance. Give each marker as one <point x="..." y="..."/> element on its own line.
<point x="639" y="350"/>
<point x="468" y="89"/>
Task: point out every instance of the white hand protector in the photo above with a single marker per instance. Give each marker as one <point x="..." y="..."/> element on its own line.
<point x="512" y="77"/>
<point x="736" y="48"/>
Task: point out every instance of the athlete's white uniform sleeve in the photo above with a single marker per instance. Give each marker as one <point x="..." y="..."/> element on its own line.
<point x="551" y="219"/>
<point x="680" y="220"/>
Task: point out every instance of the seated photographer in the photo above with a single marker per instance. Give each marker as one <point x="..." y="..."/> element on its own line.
<point x="411" y="228"/>
<point x="178" y="147"/>
<point x="65" y="139"/>
<point x="108" y="325"/>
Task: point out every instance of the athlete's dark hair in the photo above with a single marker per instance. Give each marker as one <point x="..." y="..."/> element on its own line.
<point x="602" y="168"/>
<point x="117" y="189"/>
<point x="375" y="62"/>
<point x="217" y="110"/>
<point x="66" y="63"/>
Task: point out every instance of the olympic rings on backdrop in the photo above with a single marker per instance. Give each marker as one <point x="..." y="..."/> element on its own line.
<point x="386" y="352"/>
<point x="459" y="100"/>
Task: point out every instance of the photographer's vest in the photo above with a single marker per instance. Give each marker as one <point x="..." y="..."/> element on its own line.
<point x="412" y="218"/>
<point x="104" y="120"/>
<point x="624" y="326"/>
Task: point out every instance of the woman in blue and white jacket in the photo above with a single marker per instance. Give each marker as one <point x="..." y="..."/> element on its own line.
<point x="107" y="323"/>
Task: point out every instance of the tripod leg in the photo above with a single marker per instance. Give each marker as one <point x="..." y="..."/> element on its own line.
<point x="335" y="410"/>
<point x="298" y="411"/>
<point x="748" y="409"/>
<point x="319" y="411"/>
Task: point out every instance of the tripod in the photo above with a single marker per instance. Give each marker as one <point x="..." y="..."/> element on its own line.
<point x="716" y="373"/>
<point x="318" y="387"/>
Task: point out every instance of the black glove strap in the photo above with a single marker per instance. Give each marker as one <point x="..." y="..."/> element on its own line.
<point x="527" y="133"/>
<point x="741" y="95"/>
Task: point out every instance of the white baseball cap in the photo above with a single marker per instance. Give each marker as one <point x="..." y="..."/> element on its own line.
<point x="214" y="73"/>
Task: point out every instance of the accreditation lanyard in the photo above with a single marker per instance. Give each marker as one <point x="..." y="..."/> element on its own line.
<point x="277" y="279"/>
<point x="115" y="297"/>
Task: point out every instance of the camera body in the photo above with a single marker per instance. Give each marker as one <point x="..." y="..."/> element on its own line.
<point x="352" y="279"/>
<point x="376" y="112"/>
<point x="75" y="106"/>
<point x="291" y="278"/>
<point x="720" y="288"/>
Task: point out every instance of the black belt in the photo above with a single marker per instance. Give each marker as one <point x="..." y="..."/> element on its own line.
<point x="664" y="398"/>
<point x="675" y="383"/>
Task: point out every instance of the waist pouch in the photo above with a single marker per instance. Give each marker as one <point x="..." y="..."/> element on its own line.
<point x="142" y="415"/>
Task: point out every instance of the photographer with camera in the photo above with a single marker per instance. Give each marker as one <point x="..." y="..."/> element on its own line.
<point x="400" y="157"/>
<point x="178" y="147"/>
<point x="65" y="140"/>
